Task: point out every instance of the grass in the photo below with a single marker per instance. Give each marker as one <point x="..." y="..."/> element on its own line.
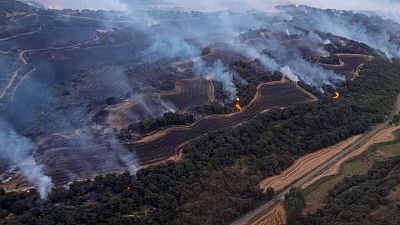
<point x="315" y="194"/>
<point x="391" y="148"/>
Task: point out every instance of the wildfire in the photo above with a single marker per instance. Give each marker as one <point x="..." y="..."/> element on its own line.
<point x="53" y="4"/>
<point x="237" y="104"/>
<point x="336" y="95"/>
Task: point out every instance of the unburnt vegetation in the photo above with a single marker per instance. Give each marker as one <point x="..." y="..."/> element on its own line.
<point x="357" y="200"/>
<point x="168" y="119"/>
<point x="252" y="74"/>
<point x="293" y="203"/>
<point x="218" y="178"/>
<point x="155" y="124"/>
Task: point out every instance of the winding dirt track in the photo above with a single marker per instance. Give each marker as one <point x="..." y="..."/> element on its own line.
<point x="357" y="144"/>
<point x="165" y="143"/>
<point x="20" y="35"/>
<point x="160" y="147"/>
<point x="304" y="165"/>
<point x="188" y="94"/>
<point x="23" y="78"/>
<point x="383" y="136"/>
<point x="350" y="64"/>
<point x="10" y="83"/>
<point x="21" y="55"/>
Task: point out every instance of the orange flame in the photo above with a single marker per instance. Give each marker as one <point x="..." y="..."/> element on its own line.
<point x="336" y="95"/>
<point x="237" y="105"/>
<point x="53" y="4"/>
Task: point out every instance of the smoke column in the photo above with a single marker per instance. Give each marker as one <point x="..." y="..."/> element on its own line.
<point x="82" y="4"/>
<point x="16" y="151"/>
<point x="217" y="72"/>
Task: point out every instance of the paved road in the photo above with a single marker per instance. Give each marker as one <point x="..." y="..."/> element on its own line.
<point x="356" y="145"/>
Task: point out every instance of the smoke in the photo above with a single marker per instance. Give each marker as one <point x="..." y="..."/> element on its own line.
<point x="241" y="5"/>
<point x="356" y="5"/>
<point x="389" y="7"/>
<point x="353" y="26"/>
<point x="152" y="106"/>
<point x="287" y="71"/>
<point x="83" y="4"/>
<point x="180" y="34"/>
<point x="129" y="159"/>
<point x="286" y="57"/>
<point x="217" y="72"/>
<point x="172" y="47"/>
<point x="16" y="151"/>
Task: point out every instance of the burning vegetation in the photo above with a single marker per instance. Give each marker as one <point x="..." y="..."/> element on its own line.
<point x="336" y="95"/>
<point x="237" y="105"/>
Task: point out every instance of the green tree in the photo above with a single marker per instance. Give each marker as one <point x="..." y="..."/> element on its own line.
<point x="294" y="202"/>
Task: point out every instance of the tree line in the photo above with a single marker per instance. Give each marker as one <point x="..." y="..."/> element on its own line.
<point x="357" y="200"/>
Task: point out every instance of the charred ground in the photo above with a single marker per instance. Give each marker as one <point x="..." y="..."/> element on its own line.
<point x="81" y="84"/>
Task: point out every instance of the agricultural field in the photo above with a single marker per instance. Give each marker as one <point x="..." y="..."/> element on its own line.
<point x="355" y="165"/>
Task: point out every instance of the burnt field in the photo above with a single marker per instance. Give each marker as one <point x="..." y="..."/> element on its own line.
<point x="61" y="161"/>
<point x="190" y="93"/>
<point x="184" y="97"/>
<point x="79" y="87"/>
<point x="350" y="64"/>
<point x="161" y="146"/>
<point x="102" y="159"/>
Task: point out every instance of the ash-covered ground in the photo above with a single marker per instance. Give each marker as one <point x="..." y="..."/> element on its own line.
<point x="77" y="88"/>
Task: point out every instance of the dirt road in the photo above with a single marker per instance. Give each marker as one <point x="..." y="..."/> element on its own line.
<point x="20" y="35"/>
<point x="156" y="150"/>
<point x="165" y="143"/>
<point x="360" y="142"/>
<point x="10" y="83"/>
<point x="383" y="136"/>
<point x="22" y="58"/>
<point x="304" y="165"/>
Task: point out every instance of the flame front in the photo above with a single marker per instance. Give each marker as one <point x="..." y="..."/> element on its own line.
<point x="237" y="105"/>
<point x="53" y="4"/>
<point x="336" y="95"/>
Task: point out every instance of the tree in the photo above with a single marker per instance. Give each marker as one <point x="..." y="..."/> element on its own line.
<point x="270" y="192"/>
<point x="294" y="202"/>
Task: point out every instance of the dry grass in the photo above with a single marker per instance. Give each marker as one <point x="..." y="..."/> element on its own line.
<point x="352" y="164"/>
<point x="383" y="136"/>
<point x="276" y="216"/>
<point x="304" y="165"/>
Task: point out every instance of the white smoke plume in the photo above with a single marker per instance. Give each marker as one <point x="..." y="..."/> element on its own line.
<point x="16" y="151"/>
<point x="217" y="72"/>
<point x="82" y="4"/>
<point x="391" y="7"/>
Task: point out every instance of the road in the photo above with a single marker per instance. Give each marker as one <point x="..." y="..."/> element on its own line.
<point x="165" y="143"/>
<point x="20" y="35"/>
<point x="60" y="162"/>
<point x="354" y="146"/>
<point x="10" y="83"/>
<point x="21" y="56"/>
